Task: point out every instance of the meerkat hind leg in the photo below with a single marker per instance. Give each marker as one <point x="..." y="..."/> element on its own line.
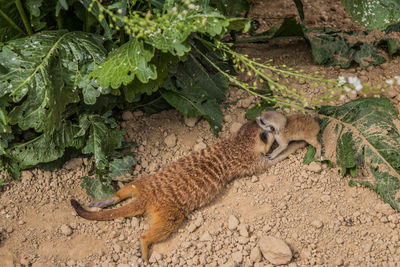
<point x="282" y="146"/>
<point x="121" y="194"/>
<point x="163" y="223"/>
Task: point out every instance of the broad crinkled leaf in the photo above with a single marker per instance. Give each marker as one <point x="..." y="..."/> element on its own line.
<point x="373" y="14"/>
<point x="101" y="138"/>
<point x="365" y="132"/>
<point x="122" y="166"/>
<point x="48" y="69"/>
<point x="196" y="95"/>
<point x="45" y="148"/>
<point x="334" y="47"/>
<point x="11" y="25"/>
<point x="126" y="63"/>
<point x="96" y="188"/>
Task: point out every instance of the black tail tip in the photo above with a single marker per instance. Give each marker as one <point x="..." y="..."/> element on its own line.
<point x="75" y="204"/>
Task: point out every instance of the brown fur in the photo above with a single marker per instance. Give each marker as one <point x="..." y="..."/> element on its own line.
<point x="188" y="183"/>
<point x="290" y="128"/>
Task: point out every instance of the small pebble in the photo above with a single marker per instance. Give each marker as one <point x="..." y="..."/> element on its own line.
<point x="233" y="222"/>
<point x="66" y="230"/>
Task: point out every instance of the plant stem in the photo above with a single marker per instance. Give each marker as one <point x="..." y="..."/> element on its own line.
<point x="24" y="18"/>
<point x="86" y="26"/>
<point x="59" y="21"/>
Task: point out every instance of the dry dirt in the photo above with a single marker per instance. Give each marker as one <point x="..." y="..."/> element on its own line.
<point x="311" y="208"/>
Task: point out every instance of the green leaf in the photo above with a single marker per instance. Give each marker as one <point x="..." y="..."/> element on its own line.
<point x="136" y="87"/>
<point x="309" y="157"/>
<point x="101" y="140"/>
<point x="373" y="14"/>
<point x="344" y="153"/>
<point x="231" y="8"/>
<point x="126" y="63"/>
<point x="122" y="166"/>
<point x="96" y="188"/>
<point x="196" y="95"/>
<point x="47" y="69"/>
<point x="299" y="6"/>
<point x="11" y="25"/>
<point x="331" y="46"/>
<point x="334" y="47"/>
<point x="365" y="132"/>
<point x="33" y="7"/>
<point x="45" y="148"/>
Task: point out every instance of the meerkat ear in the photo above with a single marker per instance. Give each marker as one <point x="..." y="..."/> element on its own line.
<point x="260" y="121"/>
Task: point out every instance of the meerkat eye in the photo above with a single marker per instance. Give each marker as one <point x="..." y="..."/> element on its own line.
<point x="264" y="136"/>
<point x="262" y="121"/>
<point x="271" y="128"/>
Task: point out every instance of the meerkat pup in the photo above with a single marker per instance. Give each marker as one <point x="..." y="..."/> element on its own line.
<point x="290" y="128"/>
<point x="169" y="195"/>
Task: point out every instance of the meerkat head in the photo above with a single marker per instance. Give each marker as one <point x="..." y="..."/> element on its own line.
<point x="271" y="121"/>
<point x="252" y="135"/>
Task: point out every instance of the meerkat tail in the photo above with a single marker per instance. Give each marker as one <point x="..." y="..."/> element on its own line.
<point x="130" y="209"/>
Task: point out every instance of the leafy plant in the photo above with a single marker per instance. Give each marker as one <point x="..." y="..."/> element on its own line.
<point x="363" y="134"/>
<point x="335" y="47"/>
<point x="373" y="14"/>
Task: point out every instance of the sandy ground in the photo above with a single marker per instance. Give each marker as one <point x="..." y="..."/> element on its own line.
<point x="311" y="208"/>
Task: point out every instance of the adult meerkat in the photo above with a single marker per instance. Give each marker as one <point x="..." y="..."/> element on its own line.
<point x="169" y="195"/>
<point x="290" y="128"/>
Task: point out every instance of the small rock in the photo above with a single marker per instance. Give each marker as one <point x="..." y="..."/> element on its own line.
<point x="24" y="262"/>
<point x="391" y="92"/>
<point x="243" y="230"/>
<point x="393" y="218"/>
<point x="206" y="236"/>
<point x="117" y="248"/>
<point x="317" y="224"/>
<point x="127" y="115"/>
<point x="314" y="167"/>
<point x="9" y="229"/>
<point x="237" y="256"/>
<point x="235" y="127"/>
<point x="275" y="250"/>
<point x="170" y="140"/>
<point x="245" y="103"/>
<point x="191" y="122"/>
<point x="155" y="256"/>
<point x="134" y="222"/>
<point x="73" y="164"/>
<point x="255" y="254"/>
<point x="192" y="227"/>
<point x="243" y="240"/>
<point x="233" y="222"/>
<point x="26" y="175"/>
<point x="66" y="230"/>
<point x="199" y="221"/>
<point x="339" y="262"/>
<point x="227" y="118"/>
<point x="115" y="257"/>
<point x="199" y="146"/>
<point x="123" y="265"/>
<point x="138" y="113"/>
<point x="254" y="179"/>
<point x="186" y="245"/>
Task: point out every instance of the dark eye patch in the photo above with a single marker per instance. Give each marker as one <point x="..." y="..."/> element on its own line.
<point x="271" y="128"/>
<point x="264" y="136"/>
